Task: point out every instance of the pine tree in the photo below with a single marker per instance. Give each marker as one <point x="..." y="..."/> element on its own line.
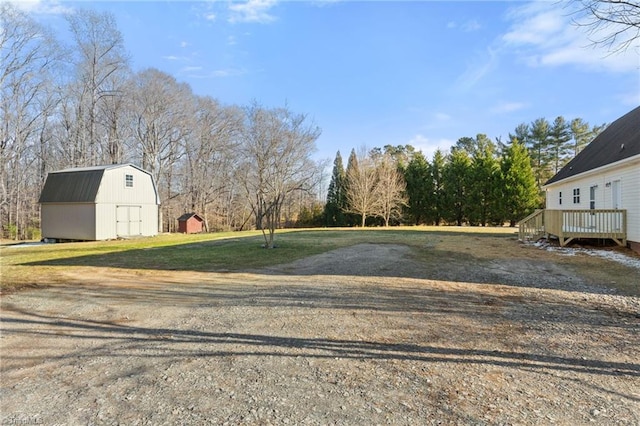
<point x="539" y="150"/>
<point x="437" y="167"/>
<point x="484" y="185"/>
<point x="334" y="209"/>
<point x="351" y="219"/>
<point x="419" y="189"/>
<point x="455" y="186"/>
<point x="559" y="137"/>
<point x="522" y="134"/>
<point x="519" y="189"/>
<point x="580" y="134"/>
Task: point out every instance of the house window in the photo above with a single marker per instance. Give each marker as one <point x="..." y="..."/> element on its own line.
<point x="560" y="198"/>
<point x="128" y="181"/>
<point x="576" y="196"/>
<point x="592" y="197"/>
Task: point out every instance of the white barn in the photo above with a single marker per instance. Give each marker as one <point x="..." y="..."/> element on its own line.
<point x="604" y="176"/>
<point x="99" y="203"/>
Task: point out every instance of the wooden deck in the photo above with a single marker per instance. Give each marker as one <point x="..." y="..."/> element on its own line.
<point x="568" y="225"/>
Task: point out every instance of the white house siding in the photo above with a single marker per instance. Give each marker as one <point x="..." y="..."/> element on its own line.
<point x="628" y="176"/>
<point x="68" y="221"/>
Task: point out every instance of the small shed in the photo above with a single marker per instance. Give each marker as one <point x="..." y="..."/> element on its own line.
<point x="190" y="223"/>
<point x="99" y="203"/>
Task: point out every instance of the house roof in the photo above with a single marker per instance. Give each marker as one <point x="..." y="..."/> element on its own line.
<point x="619" y="141"/>
<point x="76" y="185"/>
<point x="187" y="216"/>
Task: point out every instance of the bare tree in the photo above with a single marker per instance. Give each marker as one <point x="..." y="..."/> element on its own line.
<point x="614" y="24"/>
<point x="100" y="68"/>
<point x="210" y="156"/>
<point x="361" y="187"/>
<point x="27" y="54"/>
<point x="277" y="148"/>
<point x="161" y="117"/>
<point x="390" y="189"/>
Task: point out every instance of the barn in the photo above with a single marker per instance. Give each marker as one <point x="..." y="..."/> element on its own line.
<point x="99" y="203"/>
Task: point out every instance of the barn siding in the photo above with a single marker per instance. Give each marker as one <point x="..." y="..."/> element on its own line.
<point x="629" y="177"/>
<point x="69" y="221"/>
<point x="113" y="190"/>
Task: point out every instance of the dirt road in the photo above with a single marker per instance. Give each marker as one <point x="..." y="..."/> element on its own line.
<point x="371" y="334"/>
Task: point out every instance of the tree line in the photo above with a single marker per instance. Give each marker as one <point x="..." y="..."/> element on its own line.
<point x="479" y="182"/>
<point x="81" y="104"/>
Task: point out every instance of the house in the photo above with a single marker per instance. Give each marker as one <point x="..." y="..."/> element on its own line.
<point x="597" y="194"/>
<point x="190" y="223"/>
<point x="99" y="203"/>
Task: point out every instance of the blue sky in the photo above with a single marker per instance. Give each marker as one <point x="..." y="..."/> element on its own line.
<point x="424" y="73"/>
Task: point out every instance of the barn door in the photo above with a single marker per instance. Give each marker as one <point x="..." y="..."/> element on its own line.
<point x="128" y="220"/>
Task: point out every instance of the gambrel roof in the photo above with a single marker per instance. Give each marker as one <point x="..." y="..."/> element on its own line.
<point x="77" y="185"/>
<point x="619" y="141"/>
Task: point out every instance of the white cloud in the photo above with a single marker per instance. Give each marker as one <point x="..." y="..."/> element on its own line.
<point x="44" y="7"/>
<point x="210" y="16"/>
<point x="507" y="107"/>
<point x="471" y="26"/>
<point x="191" y="69"/>
<point x="429" y="146"/>
<point x="441" y="116"/>
<point x="184" y="44"/>
<point x="252" y="11"/>
<point x="542" y="35"/>
<point x="220" y="73"/>
<point x="477" y="69"/>
<point x="468" y="26"/>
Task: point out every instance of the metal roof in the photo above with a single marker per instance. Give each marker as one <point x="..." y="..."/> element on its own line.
<point x="71" y="186"/>
<point x="77" y="185"/>
<point x="619" y="141"/>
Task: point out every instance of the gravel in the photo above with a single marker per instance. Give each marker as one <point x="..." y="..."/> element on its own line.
<point x="366" y="335"/>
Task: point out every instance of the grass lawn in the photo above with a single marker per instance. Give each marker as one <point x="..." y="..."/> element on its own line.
<point x="228" y="251"/>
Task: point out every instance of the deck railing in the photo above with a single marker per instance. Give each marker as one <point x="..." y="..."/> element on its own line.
<point x="570" y="224"/>
<point x="531" y="228"/>
<point x="595" y="223"/>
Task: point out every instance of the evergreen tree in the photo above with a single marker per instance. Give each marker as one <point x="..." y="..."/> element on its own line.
<point x="559" y="137"/>
<point x="522" y="134"/>
<point x="437" y="167"/>
<point x="519" y="189"/>
<point x="580" y="133"/>
<point x="334" y="209"/>
<point x="455" y="186"/>
<point x="484" y="185"/>
<point x="465" y="144"/>
<point x="419" y="189"/>
<point x="539" y="150"/>
<point x="351" y="219"/>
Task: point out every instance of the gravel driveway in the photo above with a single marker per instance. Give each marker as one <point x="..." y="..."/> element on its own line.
<point x="363" y="335"/>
